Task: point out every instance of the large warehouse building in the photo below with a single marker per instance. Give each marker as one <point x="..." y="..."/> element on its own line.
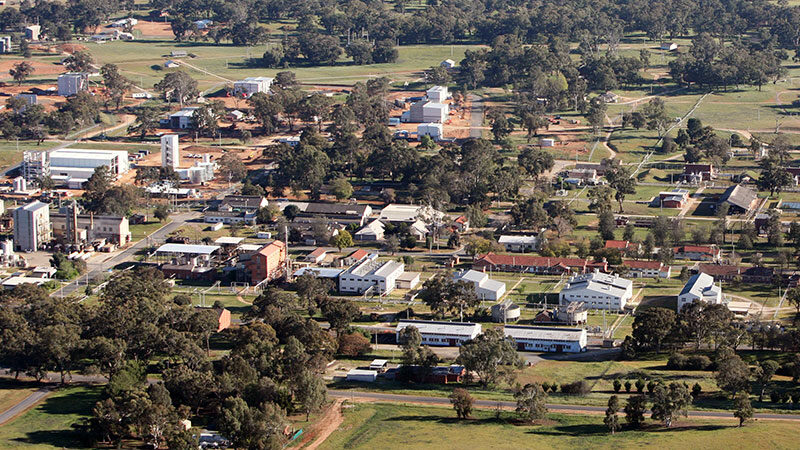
<point x="73" y="166"/>
<point x="547" y="339"/>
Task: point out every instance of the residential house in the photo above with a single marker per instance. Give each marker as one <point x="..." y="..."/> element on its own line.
<point x="441" y="333"/>
<point x="700" y="287"/>
<point x="460" y="224"/>
<point x="341" y="212"/>
<point x="647" y="269"/>
<point x="588" y="176"/>
<point x="624" y="247"/>
<point x="32" y="227"/>
<point x="535" y="264"/>
<point x="598" y="291"/>
<point x="515" y="243"/>
<point x="697" y="253"/>
<point x="397" y="213"/>
<point x="547" y="339"/>
<point x="699" y="172"/>
<point x="243" y="202"/>
<point x="485" y="288"/>
<point x="739" y="199"/>
<point x="268" y="263"/>
<point x="171" y="64"/>
<point x="795" y="173"/>
<point x="729" y="273"/>
<point x="379" y="277"/>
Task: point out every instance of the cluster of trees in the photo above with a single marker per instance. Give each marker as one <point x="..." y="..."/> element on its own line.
<point x="102" y="196"/>
<point x="712" y="64"/>
<point x="698" y="141"/>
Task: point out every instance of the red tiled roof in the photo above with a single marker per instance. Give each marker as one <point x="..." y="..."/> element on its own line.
<point x="696" y="249"/>
<point x="617" y="244"/>
<point x="271" y="248"/>
<point x="533" y="261"/>
<point x="719" y="269"/>
<point x="319" y="251"/>
<point x="633" y="264"/>
<point x="358" y="254"/>
<point x="461" y="219"/>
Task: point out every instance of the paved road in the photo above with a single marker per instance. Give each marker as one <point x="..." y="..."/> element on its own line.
<point x="395" y="398"/>
<point x="127" y="255"/>
<point x="475" y="116"/>
<point x="26" y="403"/>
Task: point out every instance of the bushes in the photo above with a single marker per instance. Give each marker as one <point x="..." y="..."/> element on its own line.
<point x="775" y="397"/>
<point x="679" y="361"/>
<point x="617" y="385"/>
<point x="580" y="387"/>
<point x="353" y="344"/>
<point x="628" y="385"/>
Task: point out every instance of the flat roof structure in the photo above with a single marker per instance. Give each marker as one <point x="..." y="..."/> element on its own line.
<point x="436" y="327"/>
<point x="188" y="249"/>
<point x="544" y="333"/>
<point x="320" y="272"/>
<point x="229" y="240"/>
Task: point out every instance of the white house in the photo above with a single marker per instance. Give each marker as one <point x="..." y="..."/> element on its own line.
<point x="700" y="287"/>
<point x="441" y="333"/>
<point x="519" y="243"/>
<point x="250" y="85"/>
<point x="485" y="288"/>
<point x="381" y="276"/>
<point x="647" y="269"/>
<point x="437" y="94"/>
<point x="598" y="291"/>
<point x="547" y="339"/>
<point x="71" y="83"/>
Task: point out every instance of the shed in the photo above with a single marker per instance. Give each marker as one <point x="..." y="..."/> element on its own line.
<point x="408" y="280"/>
<point x="547" y="142"/>
<point x="379" y="365"/>
<point x="368" y="376"/>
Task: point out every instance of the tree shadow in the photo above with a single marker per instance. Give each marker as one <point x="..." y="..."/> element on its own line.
<point x="445" y="420"/>
<point x="79" y="402"/>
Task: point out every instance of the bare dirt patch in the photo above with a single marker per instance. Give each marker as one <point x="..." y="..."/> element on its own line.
<point x="39" y="67"/>
<point x="149" y="28"/>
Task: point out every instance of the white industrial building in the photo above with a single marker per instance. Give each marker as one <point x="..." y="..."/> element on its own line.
<point x="396" y="213"/>
<point x="441" y="333"/>
<point x="381" y="276"/>
<point x="200" y="172"/>
<point x="35" y="164"/>
<point x="372" y="231"/>
<point x="32" y="226"/>
<point x="170" y="151"/>
<point x="433" y="130"/>
<point x="700" y="287"/>
<point x="547" y="339"/>
<point x="598" y="291"/>
<point x="485" y="288"/>
<point x="519" y="243"/>
<point x="435" y="112"/>
<point x="74" y="166"/>
<point x="437" y="94"/>
<point x="182" y="119"/>
<point x="71" y="83"/>
<point x="250" y="85"/>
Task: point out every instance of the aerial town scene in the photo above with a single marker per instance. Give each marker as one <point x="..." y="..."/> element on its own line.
<point x="414" y="224"/>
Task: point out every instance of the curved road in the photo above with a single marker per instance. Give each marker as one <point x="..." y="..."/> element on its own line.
<point x="573" y="409"/>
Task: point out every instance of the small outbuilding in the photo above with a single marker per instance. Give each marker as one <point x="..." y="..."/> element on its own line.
<point x="361" y="375"/>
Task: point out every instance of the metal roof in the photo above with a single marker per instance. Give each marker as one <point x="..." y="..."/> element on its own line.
<point x="544" y="333"/>
<point x="188" y="248"/>
<point x="434" y="327"/>
<point x="228" y="240"/>
<point x="320" y="272"/>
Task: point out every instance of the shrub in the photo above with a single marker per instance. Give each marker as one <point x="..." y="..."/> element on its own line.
<point x="676" y="361"/>
<point x="580" y="387"/>
<point x="650" y="386"/>
<point x="775" y="397"/>
<point x="785" y="397"/>
<point x="353" y="344"/>
<point x="698" y="362"/>
<point x="628" y="385"/>
<point x="553" y="387"/>
<point x="696" y="390"/>
<point x="545" y="386"/>
<point x="795" y="397"/>
<point x="617" y="385"/>
<point x="640" y="385"/>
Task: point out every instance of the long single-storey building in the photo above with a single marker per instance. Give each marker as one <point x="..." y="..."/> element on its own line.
<point x="536" y="264"/>
<point x="547" y="339"/>
<point x="441" y="333"/>
<point x="647" y="269"/>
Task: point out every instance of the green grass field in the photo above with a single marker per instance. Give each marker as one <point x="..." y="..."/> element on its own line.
<point x="385" y="426"/>
<point x="49" y="424"/>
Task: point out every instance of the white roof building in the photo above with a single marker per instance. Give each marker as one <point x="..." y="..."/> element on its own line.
<point x="598" y="291"/>
<point x="514" y="243"/>
<point x="372" y="231"/>
<point x="434" y="130"/>
<point x="547" y="339"/>
<point x="187" y="249"/>
<point x="700" y="287"/>
<point x="32" y="228"/>
<point x="69" y="164"/>
<point x="407" y="213"/>
<point x="437" y="94"/>
<point x="250" y="85"/>
<point x="435" y="112"/>
<point x="371" y="274"/>
<point x="442" y="333"/>
<point x="485" y="288"/>
<point x="72" y="82"/>
<point x="448" y="64"/>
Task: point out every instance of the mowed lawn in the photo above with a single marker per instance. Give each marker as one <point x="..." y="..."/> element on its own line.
<point x="220" y="63"/>
<point x="378" y="425"/>
<point x="50" y="424"/>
